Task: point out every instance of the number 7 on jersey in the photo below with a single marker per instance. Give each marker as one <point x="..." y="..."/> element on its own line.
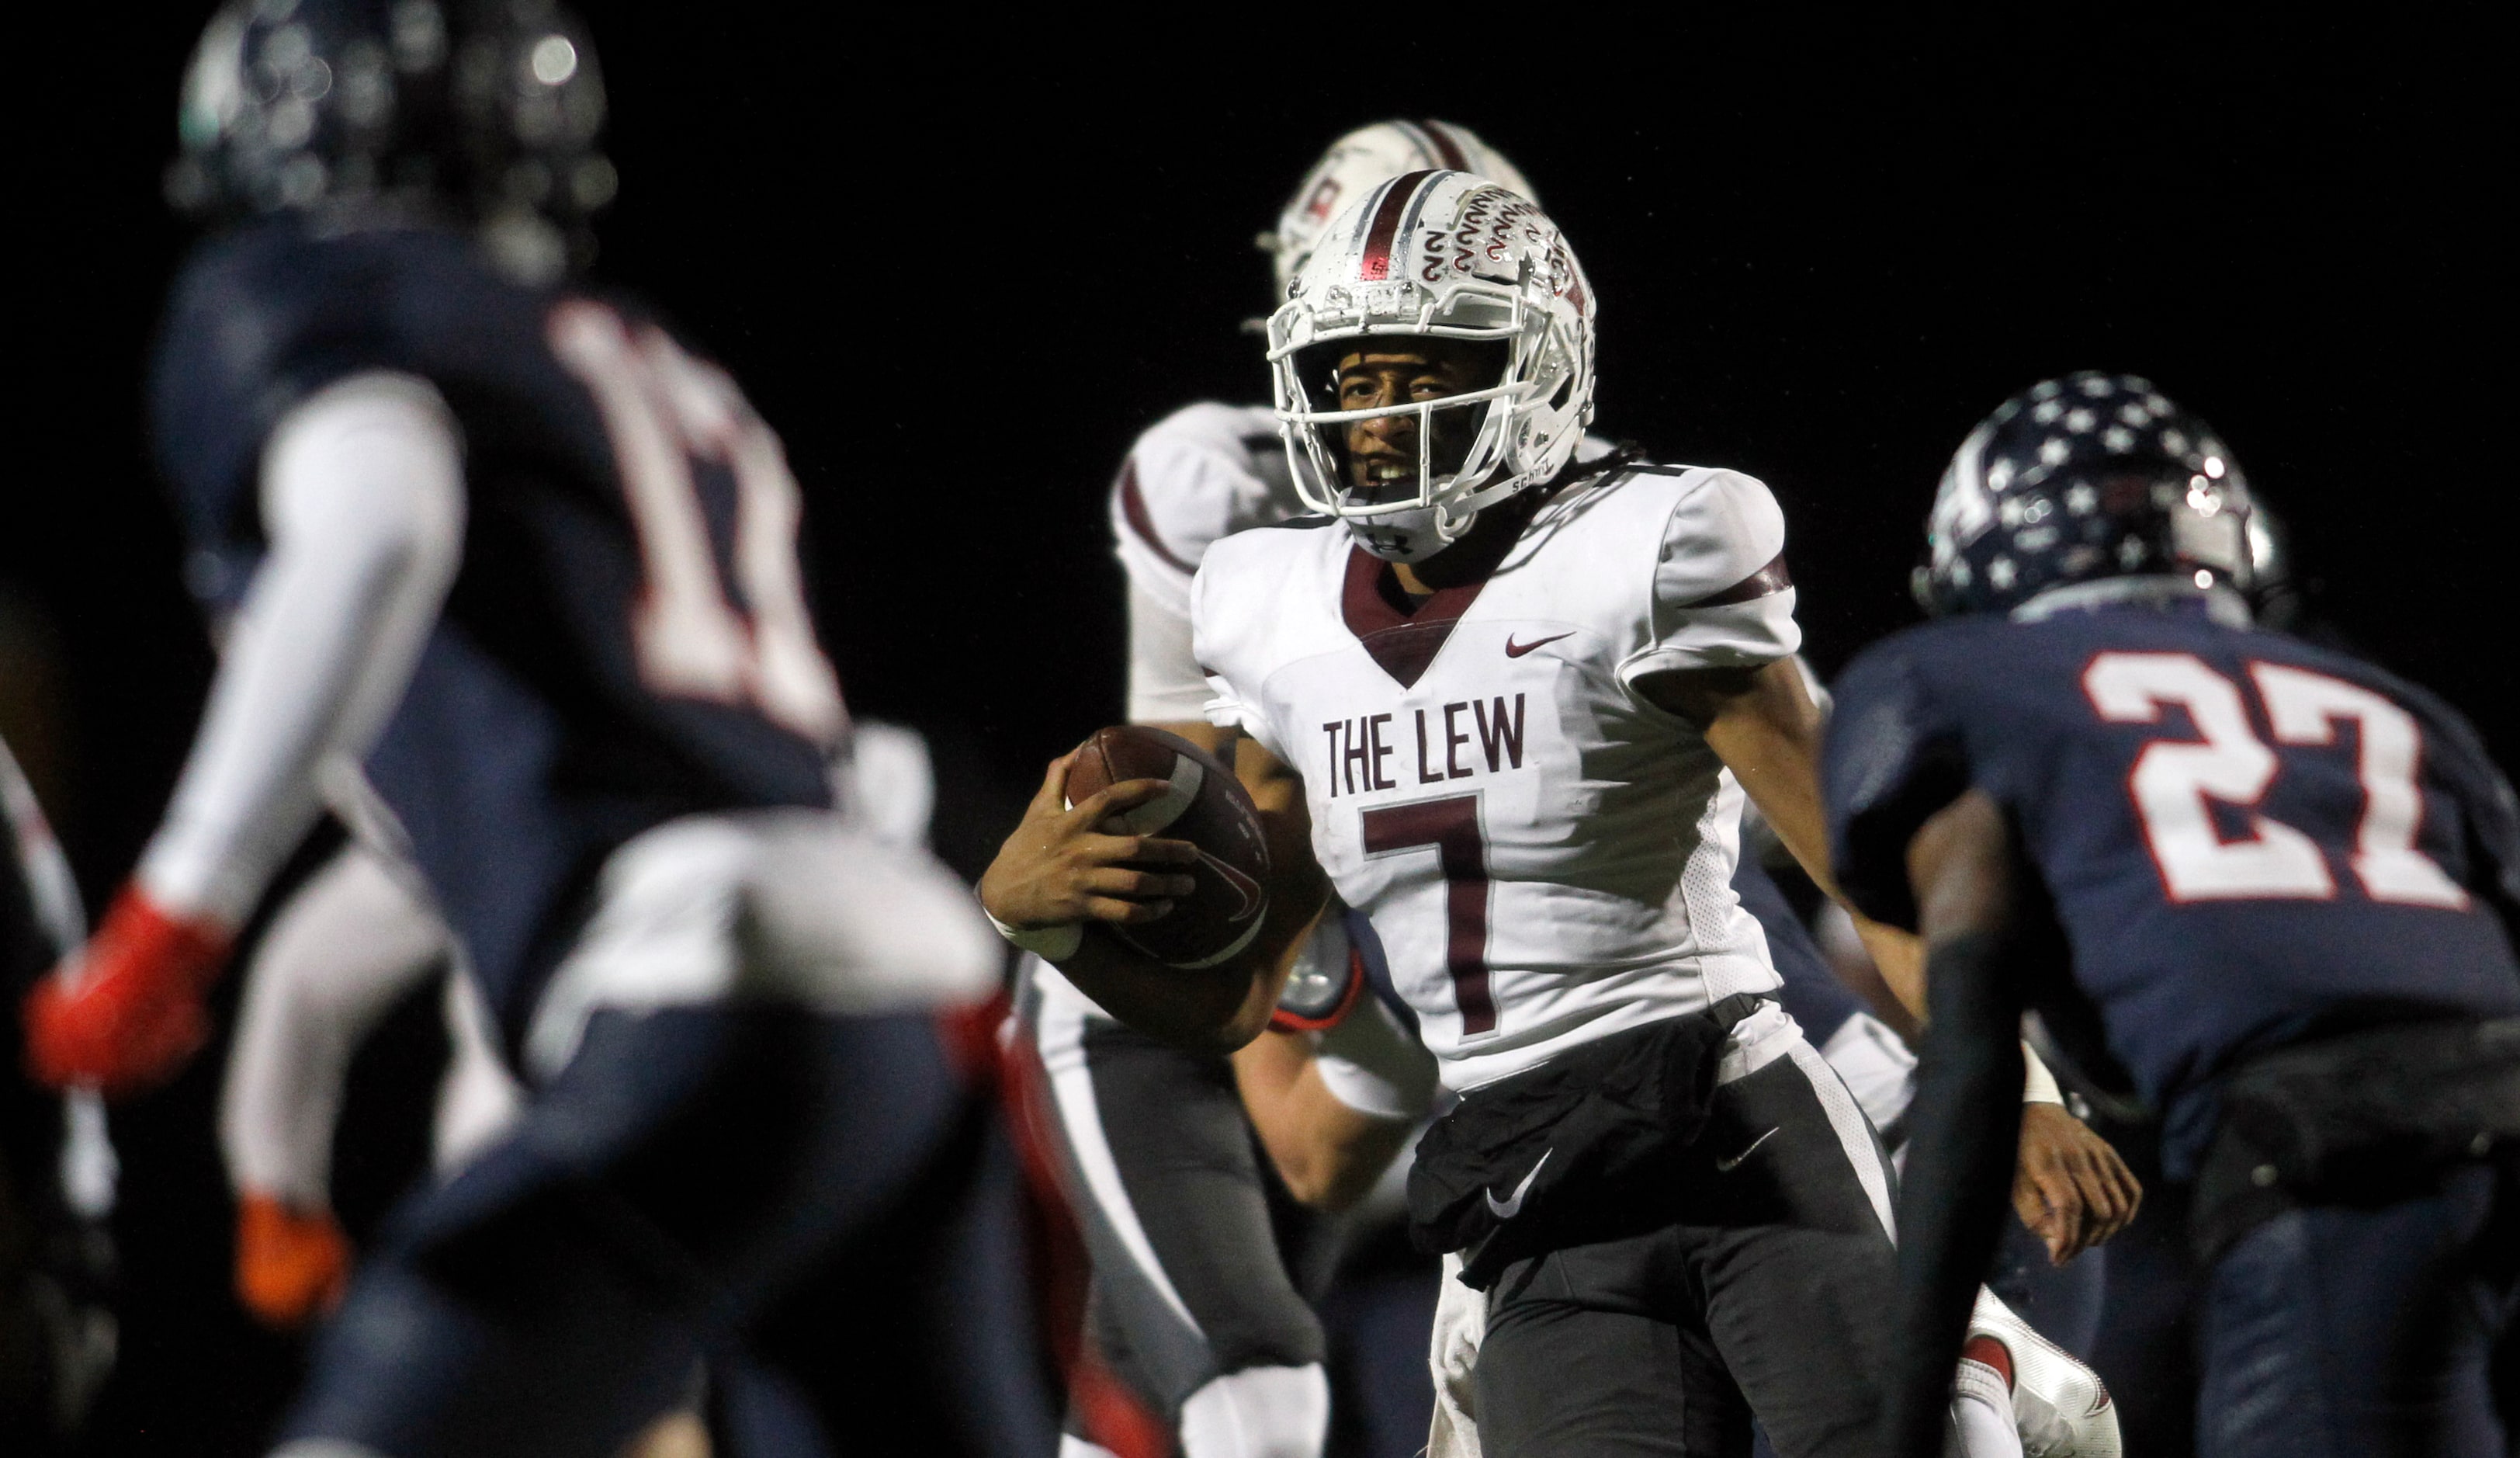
<point x="1450" y="827"/>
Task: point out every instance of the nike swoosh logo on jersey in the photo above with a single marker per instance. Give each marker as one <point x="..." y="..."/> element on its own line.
<point x="1506" y="1209"/>
<point x="1726" y="1165"/>
<point x="1514" y="649"/>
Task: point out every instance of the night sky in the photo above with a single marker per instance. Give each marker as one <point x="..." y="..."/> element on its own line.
<point x="959" y="267"/>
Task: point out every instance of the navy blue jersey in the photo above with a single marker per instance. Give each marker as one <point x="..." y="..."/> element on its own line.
<point x="1811" y="994"/>
<point x="625" y="641"/>
<point x="2246" y="838"/>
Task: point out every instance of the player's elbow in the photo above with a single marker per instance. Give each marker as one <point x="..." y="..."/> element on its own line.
<point x="1960" y="867"/>
<point x="1309" y="1164"/>
<point x="1249" y="1022"/>
<point x="1334" y="1186"/>
<point x="1315" y="1184"/>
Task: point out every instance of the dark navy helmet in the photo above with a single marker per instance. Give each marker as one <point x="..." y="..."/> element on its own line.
<point x="2274" y="591"/>
<point x="478" y="113"/>
<point x="2088" y="476"/>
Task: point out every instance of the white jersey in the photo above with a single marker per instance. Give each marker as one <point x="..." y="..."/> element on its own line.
<point x="1544" y="856"/>
<point x="1200" y="473"/>
<point x="1194" y="478"/>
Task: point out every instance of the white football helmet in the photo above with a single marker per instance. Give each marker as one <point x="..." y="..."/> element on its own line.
<point x="1440" y="255"/>
<point x="1364" y="159"/>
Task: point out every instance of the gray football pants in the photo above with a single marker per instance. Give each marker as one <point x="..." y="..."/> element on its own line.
<point x="1192" y="1304"/>
<point x="1774" y="1292"/>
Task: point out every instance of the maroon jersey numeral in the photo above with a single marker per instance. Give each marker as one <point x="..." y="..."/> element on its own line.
<point x="1451" y="828"/>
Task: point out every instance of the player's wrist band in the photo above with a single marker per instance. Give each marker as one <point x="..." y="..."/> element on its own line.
<point x="2038" y="1084"/>
<point x="1049" y="943"/>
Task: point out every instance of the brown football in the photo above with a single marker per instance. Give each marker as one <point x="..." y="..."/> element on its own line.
<point x="1208" y="808"/>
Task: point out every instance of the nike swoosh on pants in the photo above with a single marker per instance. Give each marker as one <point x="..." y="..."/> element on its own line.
<point x="1722" y="1165"/>
<point x="1506" y="1209"/>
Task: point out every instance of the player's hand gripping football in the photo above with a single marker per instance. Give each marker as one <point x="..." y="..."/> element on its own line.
<point x="2070" y="1187"/>
<point x="1064" y="866"/>
<point x="124" y="1012"/>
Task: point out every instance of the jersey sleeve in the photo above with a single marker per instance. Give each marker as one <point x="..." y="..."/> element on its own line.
<point x="364" y="492"/>
<point x="1165" y="684"/>
<point x="1189" y="480"/>
<point x="264" y="320"/>
<point x="1232" y="703"/>
<point x="1893" y="757"/>
<point x="1721" y="598"/>
<point x="2460" y="764"/>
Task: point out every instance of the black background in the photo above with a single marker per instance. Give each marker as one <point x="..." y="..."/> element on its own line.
<point x="958" y="266"/>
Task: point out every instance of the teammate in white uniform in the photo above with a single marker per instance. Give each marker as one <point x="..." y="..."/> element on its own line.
<point x="1194" y="1308"/>
<point x="1537" y="701"/>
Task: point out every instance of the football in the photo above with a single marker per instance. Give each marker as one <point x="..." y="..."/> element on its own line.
<point x="1206" y="806"/>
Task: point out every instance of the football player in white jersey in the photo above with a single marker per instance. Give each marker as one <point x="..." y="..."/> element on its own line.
<point x="1514" y="703"/>
<point x="1194" y="1309"/>
<point x="1212" y="469"/>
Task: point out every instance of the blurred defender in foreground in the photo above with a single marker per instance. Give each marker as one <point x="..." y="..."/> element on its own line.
<point x="525" y="558"/>
<point x="2266" y="885"/>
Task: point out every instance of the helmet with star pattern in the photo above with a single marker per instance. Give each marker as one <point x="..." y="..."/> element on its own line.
<point x="484" y="113"/>
<point x="2088" y="476"/>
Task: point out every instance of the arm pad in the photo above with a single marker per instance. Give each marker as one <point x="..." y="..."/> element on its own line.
<point x="363" y="502"/>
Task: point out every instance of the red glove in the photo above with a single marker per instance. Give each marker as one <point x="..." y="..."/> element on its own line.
<point x="123" y="1012"/>
<point x="292" y="1265"/>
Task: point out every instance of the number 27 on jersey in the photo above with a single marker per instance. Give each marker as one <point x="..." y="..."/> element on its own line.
<point x="2174" y="780"/>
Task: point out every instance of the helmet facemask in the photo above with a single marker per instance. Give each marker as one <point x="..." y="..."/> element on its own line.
<point x="1512" y="290"/>
<point x="1423" y="489"/>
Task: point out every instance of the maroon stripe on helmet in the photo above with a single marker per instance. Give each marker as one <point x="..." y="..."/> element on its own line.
<point x="1133" y="510"/>
<point x="1445" y="147"/>
<point x="1376" y="262"/>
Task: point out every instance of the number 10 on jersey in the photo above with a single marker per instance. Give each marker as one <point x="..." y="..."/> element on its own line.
<point x="666" y="411"/>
